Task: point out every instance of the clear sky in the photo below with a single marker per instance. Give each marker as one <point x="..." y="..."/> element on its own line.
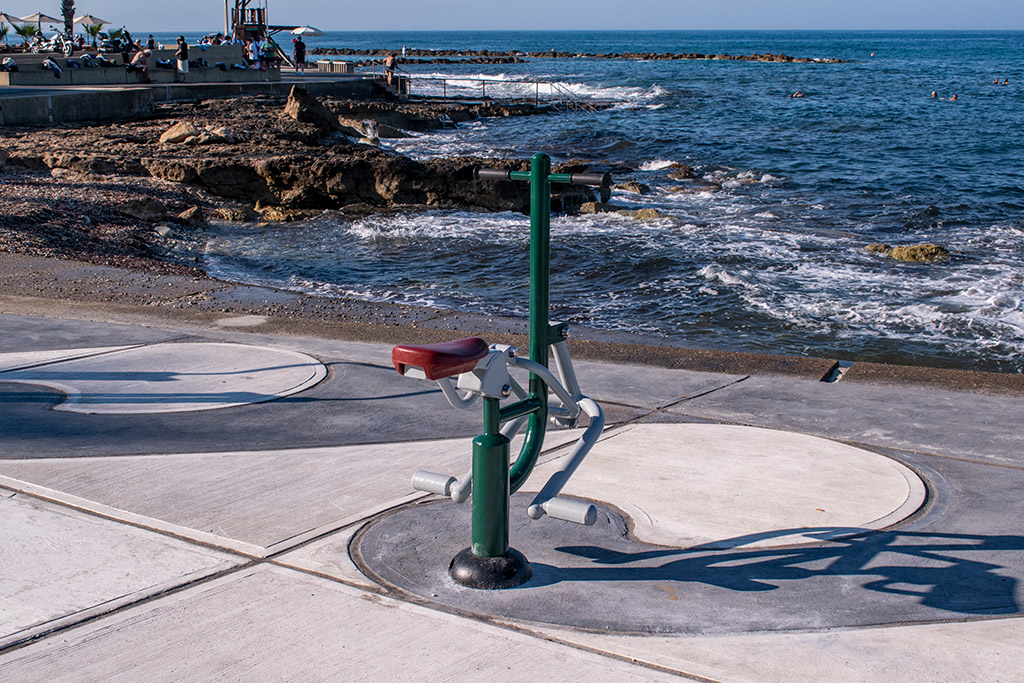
<point x="208" y="15"/>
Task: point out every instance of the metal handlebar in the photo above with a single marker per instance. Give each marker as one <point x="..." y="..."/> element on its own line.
<point x="592" y="179"/>
<point x="480" y="173"/>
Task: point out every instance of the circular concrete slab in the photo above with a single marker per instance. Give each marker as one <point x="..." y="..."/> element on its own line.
<point x="713" y="497"/>
<point x="172" y="378"/>
<point x="715" y="485"/>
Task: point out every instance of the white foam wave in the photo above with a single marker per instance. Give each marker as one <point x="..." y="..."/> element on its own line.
<point x="715" y="273"/>
<point x="496" y="227"/>
<point x="521" y="85"/>
<point x="656" y="164"/>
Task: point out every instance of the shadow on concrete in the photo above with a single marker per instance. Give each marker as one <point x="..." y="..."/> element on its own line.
<point x="951" y="572"/>
<point x="69" y="376"/>
<point x="54" y="396"/>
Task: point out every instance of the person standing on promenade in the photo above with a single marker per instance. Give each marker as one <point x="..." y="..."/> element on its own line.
<point x="389" y="67"/>
<point x="182" y="56"/>
<point x="267" y="53"/>
<point x="300" y="55"/>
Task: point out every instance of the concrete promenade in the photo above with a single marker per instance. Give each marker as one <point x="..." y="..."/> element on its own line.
<point x="60" y="103"/>
<point x="204" y="481"/>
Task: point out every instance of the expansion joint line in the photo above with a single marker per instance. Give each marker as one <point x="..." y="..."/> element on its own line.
<point x="684" y="399"/>
<point x="142" y="600"/>
<point x="127" y="347"/>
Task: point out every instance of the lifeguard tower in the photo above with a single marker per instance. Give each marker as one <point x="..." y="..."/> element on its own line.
<point x="247" y="20"/>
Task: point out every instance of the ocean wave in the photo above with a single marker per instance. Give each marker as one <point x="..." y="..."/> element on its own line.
<point x="525" y="86"/>
<point x="657" y="164"/>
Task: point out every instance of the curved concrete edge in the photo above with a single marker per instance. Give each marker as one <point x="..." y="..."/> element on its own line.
<point x="916" y="498"/>
<point x="77" y="400"/>
<point x="713" y="486"/>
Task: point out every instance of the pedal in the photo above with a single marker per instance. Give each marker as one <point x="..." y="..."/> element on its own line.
<point x="565" y="509"/>
<point x="431" y="482"/>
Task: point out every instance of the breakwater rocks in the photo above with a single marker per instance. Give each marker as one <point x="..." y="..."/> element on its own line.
<point x="76" y="190"/>
<point x="500" y="57"/>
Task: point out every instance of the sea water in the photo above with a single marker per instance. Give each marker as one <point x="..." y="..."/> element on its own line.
<point x="771" y="256"/>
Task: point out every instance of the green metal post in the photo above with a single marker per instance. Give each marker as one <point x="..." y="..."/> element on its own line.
<point x="489" y="562"/>
<point x="540" y="257"/>
<point x="490" y="486"/>
<point x="540" y="266"/>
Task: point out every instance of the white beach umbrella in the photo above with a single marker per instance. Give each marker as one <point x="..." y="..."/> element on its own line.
<point x="40" y="18"/>
<point x="307" y="31"/>
<point x="90" y="20"/>
<point x="9" y="19"/>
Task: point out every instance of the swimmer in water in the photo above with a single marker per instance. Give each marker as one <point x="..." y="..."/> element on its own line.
<point x="1006" y="81"/>
<point x="934" y="95"/>
<point x="953" y="98"/>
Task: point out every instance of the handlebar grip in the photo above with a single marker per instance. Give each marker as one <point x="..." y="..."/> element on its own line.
<point x="491" y="173"/>
<point x="595" y="179"/>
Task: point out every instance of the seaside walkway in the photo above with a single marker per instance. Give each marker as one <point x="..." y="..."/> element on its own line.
<point x="201" y="480"/>
<point x="41" y="105"/>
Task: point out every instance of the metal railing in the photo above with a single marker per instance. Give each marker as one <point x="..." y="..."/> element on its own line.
<point x="543" y="91"/>
<point x="549" y="92"/>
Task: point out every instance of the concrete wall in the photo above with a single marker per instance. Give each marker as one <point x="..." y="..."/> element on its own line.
<point x="75" y="106"/>
<point x="355" y="88"/>
<point x="117" y="75"/>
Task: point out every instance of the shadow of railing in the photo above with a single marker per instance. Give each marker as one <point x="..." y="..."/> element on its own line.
<point x="951" y="572"/>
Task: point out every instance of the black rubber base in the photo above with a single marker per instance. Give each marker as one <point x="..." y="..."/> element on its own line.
<point x="490" y="573"/>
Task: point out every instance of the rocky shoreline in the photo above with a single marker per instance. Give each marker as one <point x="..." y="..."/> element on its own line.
<point x="426" y="56"/>
<point x="137" y="193"/>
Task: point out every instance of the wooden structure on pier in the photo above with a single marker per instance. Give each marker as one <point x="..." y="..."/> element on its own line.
<point x="249" y="22"/>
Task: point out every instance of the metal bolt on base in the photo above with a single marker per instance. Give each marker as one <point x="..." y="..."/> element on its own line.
<point x="490" y="563"/>
<point x="490" y="573"/>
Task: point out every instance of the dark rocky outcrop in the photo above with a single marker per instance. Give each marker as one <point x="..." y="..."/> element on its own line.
<point x="427" y="56"/>
<point x="305" y="108"/>
<point x="149" y="210"/>
<point x="295" y="158"/>
<point x="915" y="253"/>
<point x="634" y="187"/>
<point x="682" y="172"/>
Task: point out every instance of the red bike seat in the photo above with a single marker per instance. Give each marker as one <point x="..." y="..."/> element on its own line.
<point x="441" y="360"/>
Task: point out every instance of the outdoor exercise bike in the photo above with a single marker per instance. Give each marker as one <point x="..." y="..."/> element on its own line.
<point x="481" y="371"/>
